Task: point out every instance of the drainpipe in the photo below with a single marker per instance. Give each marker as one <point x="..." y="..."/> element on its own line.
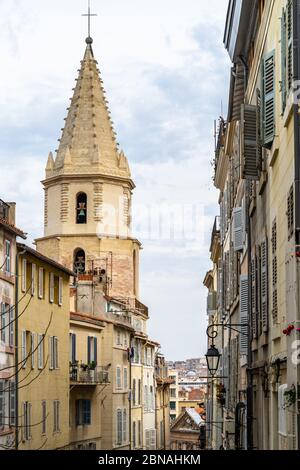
<point x="296" y="33"/>
<point x="17" y="346"/>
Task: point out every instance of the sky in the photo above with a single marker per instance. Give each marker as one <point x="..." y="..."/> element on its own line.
<point x="166" y="76"/>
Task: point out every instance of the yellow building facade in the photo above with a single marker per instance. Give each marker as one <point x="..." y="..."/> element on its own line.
<point x="42" y="352"/>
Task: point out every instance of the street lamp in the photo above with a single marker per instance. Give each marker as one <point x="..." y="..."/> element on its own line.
<point x="213" y="359"/>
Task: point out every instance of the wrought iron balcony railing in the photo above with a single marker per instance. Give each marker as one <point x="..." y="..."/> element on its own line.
<point x="83" y="375"/>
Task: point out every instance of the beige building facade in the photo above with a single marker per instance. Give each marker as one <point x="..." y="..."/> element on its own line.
<point x="257" y="173"/>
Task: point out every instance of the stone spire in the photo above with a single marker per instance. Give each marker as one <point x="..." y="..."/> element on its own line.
<point x="88" y="142"/>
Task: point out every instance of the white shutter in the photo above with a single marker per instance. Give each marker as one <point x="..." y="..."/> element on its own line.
<point x="33" y="278"/>
<point x="51" y="288"/>
<point x="238" y="230"/>
<point x="124" y="426"/>
<point x="119" y="427"/>
<point x="24" y="348"/>
<point x="41" y="283"/>
<point x="264" y="286"/>
<point x="148" y="440"/>
<point x="51" y="355"/>
<point x="282" y="415"/>
<point x="153" y="439"/>
<point x="60" y="291"/>
<point x="24" y="273"/>
<point x="32" y="350"/>
<point x="40" y="352"/>
<point x="118" y="376"/>
<point x="244" y="315"/>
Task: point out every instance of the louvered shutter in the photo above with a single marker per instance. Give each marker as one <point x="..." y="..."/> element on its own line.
<point x="95" y="351"/>
<point x="269" y="99"/>
<point x="290" y="51"/>
<point x="2" y="404"/>
<point x="282" y="421"/>
<point x="264" y="286"/>
<point x="244" y="315"/>
<point x="12" y="403"/>
<point x="259" y="149"/>
<point x="238" y="229"/>
<point x="89" y="350"/>
<point x="283" y="60"/>
<point x="153" y="439"/>
<point x="249" y="168"/>
<point x="254" y="297"/>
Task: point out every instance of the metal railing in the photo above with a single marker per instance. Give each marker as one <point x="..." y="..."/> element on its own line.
<point x="84" y="375"/>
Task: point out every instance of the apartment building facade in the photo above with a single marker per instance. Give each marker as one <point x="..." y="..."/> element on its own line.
<point x="257" y="174"/>
<point x="42" y="352"/>
<point x="8" y="236"/>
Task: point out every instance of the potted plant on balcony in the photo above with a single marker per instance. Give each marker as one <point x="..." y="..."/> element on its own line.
<point x="92" y="370"/>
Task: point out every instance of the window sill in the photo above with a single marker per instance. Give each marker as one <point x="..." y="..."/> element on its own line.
<point x="274" y="151"/>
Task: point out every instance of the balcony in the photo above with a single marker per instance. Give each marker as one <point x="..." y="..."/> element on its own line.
<point x="4" y="210"/>
<point x="83" y="375"/>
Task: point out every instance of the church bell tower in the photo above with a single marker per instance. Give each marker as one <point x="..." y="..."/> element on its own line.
<point x="88" y="191"/>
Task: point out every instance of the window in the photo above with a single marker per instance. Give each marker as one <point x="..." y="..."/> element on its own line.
<point x="53" y="352"/>
<point x="83" y="412"/>
<point x="134" y="392"/>
<point x="33" y="276"/>
<point x="282" y="415"/>
<point x="12" y="403"/>
<point x="60" y="291"/>
<point x="173" y="405"/>
<point x="139" y="392"/>
<point x="173" y="392"/>
<point x="119" y="338"/>
<point x="7" y="257"/>
<point x="24" y="275"/>
<point x="125" y="373"/>
<point x="134" y="434"/>
<point x="92" y="350"/>
<point x="151" y="398"/>
<point x="290" y="213"/>
<point x="286" y="52"/>
<point x="274" y="273"/>
<point x="81" y="208"/>
<point x="162" y="434"/>
<point x="119" y="427"/>
<point x="118" y="378"/>
<point x="24" y="348"/>
<point x="27" y="421"/>
<point x="44" y="417"/>
<point x="124" y="425"/>
<point x="79" y="261"/>
<point x="11" y="327"/>
<point x="146" y="398"/>
<point x="41" y="283"/>
<point x="2" y="404"/>
<point x="56" y="416"/>
<point x="268" y="109"/>
<point x="40" y="351"/>
<point x="3" y="322"/>
<point x="51" y="288"/>
<point x="140" y="433"/>
<point x="32" y="350"/>
<point x="72" y="348"/>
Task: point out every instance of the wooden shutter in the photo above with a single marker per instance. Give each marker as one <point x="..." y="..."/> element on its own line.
<point x="24" y="275"/>
<point x="238" y="229"/>
<point x="289" y="20"/>
<point x="89" y="350"/>
<point x="95" y="351"/>
<point x="33" y="335"/>
<point x="283" y="60"/>
<point x="244" y="315"/>
<point x="259" y="149"/>
<point x="249" y="168"/>
<point x="264" y="286"/>
<point x="73" y="337"/>
<point x="11" y="326"/>
<point x="254" y="287"/>
<point x="153" y="439"/>
<point x="24" y="348"/>
<point x="269" y="99"/>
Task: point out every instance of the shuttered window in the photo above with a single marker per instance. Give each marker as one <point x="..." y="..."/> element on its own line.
<point x="24" y="275"/>
<point x="40" y="351"/>
<point x="238" y="234"/>
<point x="2" y="404"/>
<point x="33" y="278"/>
<point x="290" y="213"/>
<point x="244" y="315"/>
<point x="264" y="286"/>
<point x="119" y="427"/>
<point x="289" y="21"/>
<point x="124" y="426"/>
<point x="41" y="283"/>
<point x="282" y="414"/>
<point x="254" y="297"/>
<point x="286" y="52"/>
<point x="274" y="273"/>
<point x="259" y="148"/>
<point x="118" y="378"/>
<point x="283" y="60"/>
<point x="12" y="403"/>
<point x="268" y="126"/>
<point x="249" y="168"/>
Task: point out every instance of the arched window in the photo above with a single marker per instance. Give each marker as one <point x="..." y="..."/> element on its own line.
<point x="81" y="208"/>
<point x="79" y="261"/>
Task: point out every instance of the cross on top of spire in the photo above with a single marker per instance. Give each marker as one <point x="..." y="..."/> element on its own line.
<point x="89" y="40"/>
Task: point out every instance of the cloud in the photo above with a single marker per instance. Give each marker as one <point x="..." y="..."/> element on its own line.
<point x="165" y="72"/>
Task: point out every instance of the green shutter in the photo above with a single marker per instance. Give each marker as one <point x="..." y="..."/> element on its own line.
<point x="283" y="60"/>
<point x="269" y="99"/>
<point x="259" y="152"/>
<point x="249" y="168"/>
